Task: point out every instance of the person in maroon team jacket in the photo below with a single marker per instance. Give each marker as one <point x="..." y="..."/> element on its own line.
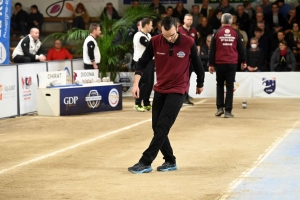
<point x="226" y="49"/>
<point x="173" y="53"/>
<point x="187" y="29"/>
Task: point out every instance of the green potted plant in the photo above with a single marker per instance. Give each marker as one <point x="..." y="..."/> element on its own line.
<point x="111" y="52"/>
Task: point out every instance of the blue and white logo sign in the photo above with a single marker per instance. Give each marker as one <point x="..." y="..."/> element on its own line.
<point x="93" y="99"/>
<point x="181" y="54"/>
<point x="5" y="10"/>
<point x="270" y="85"/>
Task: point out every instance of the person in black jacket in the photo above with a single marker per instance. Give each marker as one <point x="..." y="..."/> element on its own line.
<point x="35" y="18"/>
<point x="255" y="57"/>
<point x="179" y="11"/>
<point x="19" y="19"/>
<point x="110" y="12"/>
<point x="158" y="7"/>
<point x="215" y="20"/>
<point x="276" y="21"/>
<point x="204" y="53"/>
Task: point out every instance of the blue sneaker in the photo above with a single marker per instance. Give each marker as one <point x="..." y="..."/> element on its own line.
<point x="167" y="167"/>
<point x="140" y="168"/>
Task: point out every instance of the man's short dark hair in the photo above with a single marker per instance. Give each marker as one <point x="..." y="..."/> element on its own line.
<point x="275" y="3"/>
<point x="246" y="3"/>
<point x="167" y="22"/>
<point x="35" y="7"/>
<point x="257" y="29"/>
<point x="18" y="4"/>
<point x="93" y="27"/>
<point x="280" y="32"/>
<point x="146" y="21"/>
<point x="195" y="6"/>
<point x="170" y="7"/>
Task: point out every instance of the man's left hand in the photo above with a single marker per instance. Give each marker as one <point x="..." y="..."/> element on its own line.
<point x="199" y="90"/>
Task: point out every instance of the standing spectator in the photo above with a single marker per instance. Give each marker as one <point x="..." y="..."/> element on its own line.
<point x="255" y="57"/>
<point x="157" y="29"/>
<point x="140" y="42"/>
<point x="249" y="10"/>
<point x="204" y="52"/>
<point x="280" y="37"/>
<point x="80" y="17"/>
<point x="259" y="9"/>
<point x="284" y="8"/>
<point x="58" y="53"/>
<point x="276" y="20"/>
<point x="170" y="90"/>
<point x="294" y="36"/>
<point x="206" y="10"/>
<point x="180" y="11"/>
<point x="216" y="20"/>
<point x="158" y="7"/>
<point x="196" y="16"/>
<point x="223" y="59"/>
<point x="243" y="19"/>
<point x="187" y="29"/>
<point x="35" y="18"/>
<point x="259" y="18"/>
<point x="110" y="12"/>
<point x="91" y="51"/>
<point x="283" y="59"/>
<point x="266" y="6"/>
<point x="204" y="29"/>
<point x="29" y="48"/>
<point x="298" y="11"/>
<point x="263" y="42"/>
<point x="225" y="7"/>
<point x="19" y="19"/>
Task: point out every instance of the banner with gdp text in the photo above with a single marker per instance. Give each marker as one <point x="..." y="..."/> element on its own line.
<point x="5" y="10"/>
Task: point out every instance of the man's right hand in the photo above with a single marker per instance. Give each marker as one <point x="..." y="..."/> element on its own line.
<point x="211" y="69"/>
<point x="42" y="58"/>
<point x="135" y="92"/>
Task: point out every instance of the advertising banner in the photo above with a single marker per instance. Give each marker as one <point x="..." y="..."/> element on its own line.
<point x="62" y="65"/>
<point x="8" y="91"/>
<point x="77" y="64"/>
<point x="5" y="10"/>
<point x="86" y="76"/>
<point x="275" y="84"/>
<point x="126" y="80"/>
<point x="90" y="99"/>
<point x="56" y="78"/>
<point x="28" y="84"/>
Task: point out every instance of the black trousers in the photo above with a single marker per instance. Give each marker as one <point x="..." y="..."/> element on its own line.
<point x="146" y="85"/>
<point x="165" y="110"/>
<point x="78" y="23"/>
<point x="225" y="72"/>
<point x="23" y="59"/>
<point x="88" y="66"/>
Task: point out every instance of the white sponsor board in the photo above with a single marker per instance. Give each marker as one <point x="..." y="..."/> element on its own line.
<point x="276" y="84"/>
<point x="28" y="84"/>
<point x="86" y="76"/>
<point x="62" y="65"/>
<point x="126" y="80"/>
<point x="8" y="91"/>
<point x="77" y="64"/>
<point x="56" y="77"/>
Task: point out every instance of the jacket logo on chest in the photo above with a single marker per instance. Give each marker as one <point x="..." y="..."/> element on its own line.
<point x="193" y="34"/>
<point x="160" y="53"/>
<point x="181" y="54"/>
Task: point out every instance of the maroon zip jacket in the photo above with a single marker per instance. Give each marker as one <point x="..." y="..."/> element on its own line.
<point x="192" y="33"/>
<point x="172" y="62"/>
<point x="226" y="47"/>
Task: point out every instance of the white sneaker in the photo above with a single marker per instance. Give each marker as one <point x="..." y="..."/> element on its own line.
<point x="21" y="36"/>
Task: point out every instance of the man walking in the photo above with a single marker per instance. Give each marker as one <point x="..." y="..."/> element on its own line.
<point x="140" y="42"/>
<point x="173" y="52"/>
<point x="226" y="49"/>
<point x="187" y="29"/>
<point x="91" y="52"/>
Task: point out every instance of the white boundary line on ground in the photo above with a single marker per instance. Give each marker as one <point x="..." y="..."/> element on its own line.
<point x="80" y="144"/>
<point x="234" y="184"/>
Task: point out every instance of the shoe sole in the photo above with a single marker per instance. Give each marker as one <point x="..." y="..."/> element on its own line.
<point x="138" y="110"/>
<point x="142" y="171"/>
<point x="228" y="116"/>
<point x="168" y="169"/>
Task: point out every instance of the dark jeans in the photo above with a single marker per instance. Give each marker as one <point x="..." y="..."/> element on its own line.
<point x="146" y="85"/>
<point x="78" y="23"/>
<point x="23" y="59"/>
<point x="88" y="66"/>
<point x="19" y="27"/>
<point x="225" y="72"/>
<point x="165" y="109"/>
<point x="282" y="68"/>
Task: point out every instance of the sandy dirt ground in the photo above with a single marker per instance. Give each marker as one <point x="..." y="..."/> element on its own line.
<point x="87" y="156"/>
